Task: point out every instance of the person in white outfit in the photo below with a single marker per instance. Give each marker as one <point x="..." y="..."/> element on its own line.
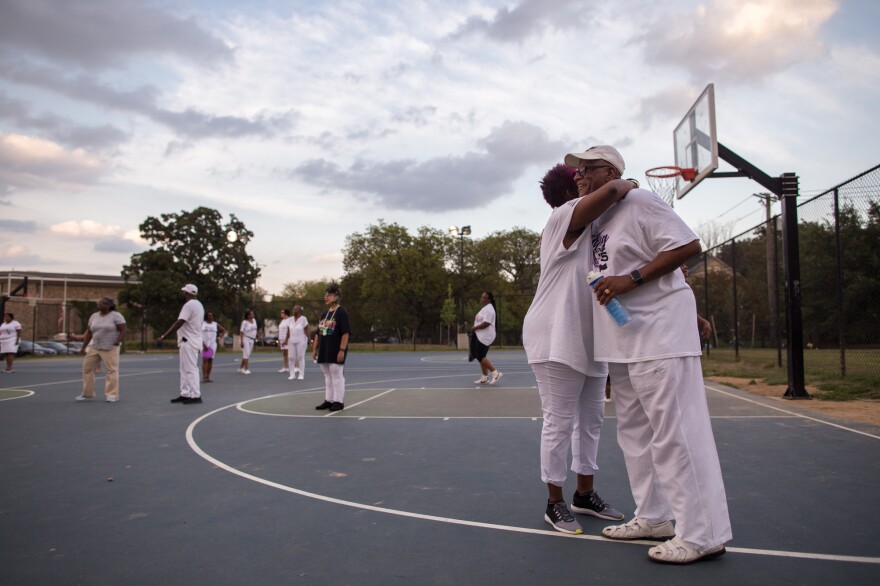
<point x="248" y="333"/>
<point x="558" y="340"/>
<point x="10" y="337"/>
<point x="212" y="331"/>
<point x="283" y="329"/>
<point x="484" y="329"/>
<point x="297" y="341"/>
<point x="189" y="344"/>
<point x="663" y="424"/>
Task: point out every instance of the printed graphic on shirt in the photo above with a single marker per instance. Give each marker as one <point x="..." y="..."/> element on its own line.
<point x="600" y="254"/>
<point x="327" y="326"/>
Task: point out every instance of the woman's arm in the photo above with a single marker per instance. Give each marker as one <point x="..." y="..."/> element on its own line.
<point x="594" y="204"/>
<point x="664" y="263"/>
<point x="343" y="346"/>
<point x="120" y="334"/>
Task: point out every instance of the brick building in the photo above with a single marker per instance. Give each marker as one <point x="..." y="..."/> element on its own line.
<point x="57" y="302"/>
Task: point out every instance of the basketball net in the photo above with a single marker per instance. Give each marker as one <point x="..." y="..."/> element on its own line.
<point x="664" y="181"/>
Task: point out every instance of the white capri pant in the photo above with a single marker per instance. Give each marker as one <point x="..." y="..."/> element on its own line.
<point x="664" y="431"/>
<point x="574" y="408"/>
<point x="247" y="347"/>
<point x="297" y="354"/>
<point x="334" y="381"/>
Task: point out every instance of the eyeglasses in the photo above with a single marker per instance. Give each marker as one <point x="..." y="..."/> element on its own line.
<point x="582" y="170"/>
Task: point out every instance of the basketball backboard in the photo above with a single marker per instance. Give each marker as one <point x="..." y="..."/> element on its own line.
<point x="695" y="141"/>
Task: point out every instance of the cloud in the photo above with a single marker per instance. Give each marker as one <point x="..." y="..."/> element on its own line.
<point x="467" y="181"/>
<point x="117" y="245"/>
<point x="529" y="18"/>
<point x="20" y="226"/>
<point x="671" y="102"/>
<point x="33" y="163"/>
<point x="84" y="228"/>
<point x="18" y="254"/>
<point x="104" y="33"/>
<point x="59" y="129"/>
<point x="189" y="123"/>
<point x="739" y="40"/>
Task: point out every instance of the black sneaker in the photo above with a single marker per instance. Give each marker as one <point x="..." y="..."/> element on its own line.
<point x="592" y="504"/>
<point x="560" y="517"/>
<point x="337" y="406"/>
<point x="191" y="400"/>
<point x="179" y="399"/>
<point x="324" y="405"/>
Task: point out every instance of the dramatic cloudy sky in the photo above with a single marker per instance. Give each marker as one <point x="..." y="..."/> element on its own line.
<point x="310" y="120"/>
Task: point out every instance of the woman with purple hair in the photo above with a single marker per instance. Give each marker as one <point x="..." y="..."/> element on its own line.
<point x="558" y="339"/>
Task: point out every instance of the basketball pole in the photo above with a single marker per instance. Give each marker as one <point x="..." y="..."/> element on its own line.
<point x="787" y="189"/>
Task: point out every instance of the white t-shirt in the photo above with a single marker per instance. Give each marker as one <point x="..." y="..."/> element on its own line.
<point x="103" y="328"/>
<point x="625" y="238"/>
<point x="193" y="315"/>
<point x="298" y="329"/>
<point x="559" y="324"/>
<point x="249" y="329"/>
<point x="486" y="335"/>
<point x="8" y="336"/>
<point x="283" y="329"/>
<point x="209" y="334"/>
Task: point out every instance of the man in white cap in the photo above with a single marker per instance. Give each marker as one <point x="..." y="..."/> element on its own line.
<point x="189" y="342"/>
<point x="663" y="425"/>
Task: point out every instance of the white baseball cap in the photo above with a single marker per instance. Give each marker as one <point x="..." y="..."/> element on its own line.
<point x="601" y="152"/>
<point x="190" y="288"/>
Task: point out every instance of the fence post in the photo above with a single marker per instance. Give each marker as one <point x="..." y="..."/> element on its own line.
<point x="735" y="303"/>
<point x="841" y="326"/>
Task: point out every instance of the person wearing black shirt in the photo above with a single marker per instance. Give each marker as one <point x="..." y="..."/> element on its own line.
<point x="331" y="347"/>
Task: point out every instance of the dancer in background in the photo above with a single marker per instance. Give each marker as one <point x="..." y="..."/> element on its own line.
<point x="212" y="332"/>
<point x="283" y="329"/>
<point x="248" y="334"/>
<point x="297" y="340"/>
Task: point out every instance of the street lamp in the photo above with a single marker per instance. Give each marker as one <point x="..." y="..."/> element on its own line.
<point x="461" y="233"/>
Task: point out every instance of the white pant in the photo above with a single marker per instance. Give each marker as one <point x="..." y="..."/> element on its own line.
<point x="247" y="346"/>
<point x="574" y="408"/>
<point x="334" y="380"/>
<point x="297" y="354"/>
<point x="664" y="431"/>
<point x="189" y="371"/>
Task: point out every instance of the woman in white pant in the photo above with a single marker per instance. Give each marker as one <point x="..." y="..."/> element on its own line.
<point x="558" y="339"/>
<point x="297" y="340"/>
<point x="283" y="333"/>
<point x="331" y="348"/>
<point x="248" y="333"/>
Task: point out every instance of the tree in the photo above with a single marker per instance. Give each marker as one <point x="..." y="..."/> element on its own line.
<point x="190" y="247"/>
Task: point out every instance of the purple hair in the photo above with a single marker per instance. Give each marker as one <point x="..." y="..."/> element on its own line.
<point x="558" y="185"/>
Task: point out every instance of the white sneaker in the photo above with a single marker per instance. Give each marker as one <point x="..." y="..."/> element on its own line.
<point x="496" y="376"/>
<point x="291" y="377"/>
<point x="111" y="399"/>
<point x="300" y="377"/>
<point x="81" y="398"/>
<point x="246" y="371"/>
<point x="481" y="380"/>
<point x="284" y="370"/>
<point x="240" y="371"/>
<point x="680" y="552"/>
<point x="638" y="528"/>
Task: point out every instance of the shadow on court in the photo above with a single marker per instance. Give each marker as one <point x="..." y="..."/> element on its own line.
<point x="424" y="478"/>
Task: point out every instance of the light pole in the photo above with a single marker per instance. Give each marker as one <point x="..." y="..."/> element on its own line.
<point x="461" y="233"/>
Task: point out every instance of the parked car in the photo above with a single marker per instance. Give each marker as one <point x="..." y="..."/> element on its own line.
<point x="28" y="348"/>
<point x="227" y="341"/>
<point x="60" y="347"/>
<point x="270" y="340"/>
<point x="383" y="339"/>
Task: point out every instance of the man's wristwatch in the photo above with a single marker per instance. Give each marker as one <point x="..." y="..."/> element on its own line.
<point x="637" y="277"/>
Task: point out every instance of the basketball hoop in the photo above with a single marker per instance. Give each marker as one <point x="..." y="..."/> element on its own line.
<point x="664" y="180"/>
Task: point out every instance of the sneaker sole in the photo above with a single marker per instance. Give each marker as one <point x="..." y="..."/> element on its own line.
<point x="560" y="529"/>
<point x="708" y="556"/>
<point x="595" y="514"/>
<point x="644" y="538"/>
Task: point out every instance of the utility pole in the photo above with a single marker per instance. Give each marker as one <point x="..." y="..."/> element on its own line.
<point x="770" y="240"/>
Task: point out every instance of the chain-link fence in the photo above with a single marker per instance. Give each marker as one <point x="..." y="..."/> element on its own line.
<point x="739" y="283"/>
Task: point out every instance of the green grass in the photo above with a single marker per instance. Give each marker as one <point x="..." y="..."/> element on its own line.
<point x="821" y="368"/>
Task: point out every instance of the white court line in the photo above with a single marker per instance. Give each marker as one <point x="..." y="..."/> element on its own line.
<point x="450" y="520"/>
<point x="793" y="413"/>
<point x="364" y="401"/>
<point x="78" y="380"/>
<point x="27" y="394"/>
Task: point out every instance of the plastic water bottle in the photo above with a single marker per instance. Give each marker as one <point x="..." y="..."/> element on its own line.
<point x="618" y="312"/>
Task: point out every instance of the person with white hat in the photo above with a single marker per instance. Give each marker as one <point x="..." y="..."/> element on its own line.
<point x="189" y="343"/>
<point x="663" y="425"/>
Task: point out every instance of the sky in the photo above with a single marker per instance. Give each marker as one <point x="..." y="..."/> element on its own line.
<point x="311" y="120"/>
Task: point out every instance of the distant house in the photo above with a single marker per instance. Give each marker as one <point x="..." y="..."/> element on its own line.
<point x="55" y="302"/>
<point x="715" y="266"/>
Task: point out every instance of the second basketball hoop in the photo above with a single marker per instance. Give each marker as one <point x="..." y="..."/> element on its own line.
<point x="664" y="180"/>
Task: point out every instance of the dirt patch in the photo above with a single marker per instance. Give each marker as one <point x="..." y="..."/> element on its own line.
<point x="863" y="411"/>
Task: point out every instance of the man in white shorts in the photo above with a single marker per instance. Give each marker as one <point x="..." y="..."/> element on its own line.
<point x="663" y="425"/>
